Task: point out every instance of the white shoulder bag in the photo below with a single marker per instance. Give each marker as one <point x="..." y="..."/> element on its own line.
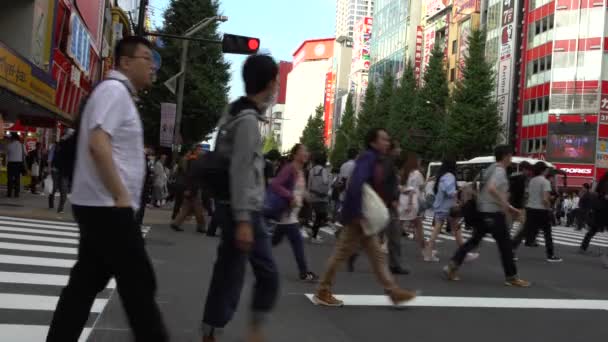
<point x="374" y="211"/>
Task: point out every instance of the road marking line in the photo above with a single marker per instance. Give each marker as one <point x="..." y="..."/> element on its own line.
<point x="42" y="303"/>
<point x="477" y="302"/>
<point x="29" y="333"/>
<point x="38" y="248"/>
<point x="39" y="279"/>
<point x="38" y="225"/>
<point x="17" y="219"/>
<point x="37" y="231"/>
<point x="38" y="238"/>
<point x="36" y="261"/>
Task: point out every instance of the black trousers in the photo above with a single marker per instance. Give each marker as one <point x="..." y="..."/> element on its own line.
<point x="495" y="224"/>
<point x="13" y="183"/>
<point x="537" y="219"/>
<point x="111" y="245"/>
<point x="321" y="212"/>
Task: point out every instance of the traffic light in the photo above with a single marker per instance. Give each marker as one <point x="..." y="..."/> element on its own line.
<point x="240" y="44"/>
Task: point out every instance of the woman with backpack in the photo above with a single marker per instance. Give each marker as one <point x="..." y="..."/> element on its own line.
<point x="290" y="183"/>
<point x="446" y="201"/>
<point x="318" y="187"/>
<point x="411" y="188"/>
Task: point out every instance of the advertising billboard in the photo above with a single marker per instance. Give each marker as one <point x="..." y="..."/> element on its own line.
<point x="433" y="7"/>
<point x="314" y="50"/>
<point x="506" y="63"/>
<point x="429" y="44"/>
<point x="329" y="107"/>
<point x="418" y="53"/>
<point x="463" y="8"/>
<point x="465" y="31"/>
<point x="361" y="44"/>
<point x="79" y="44"/>
<point x="572" y="143"/>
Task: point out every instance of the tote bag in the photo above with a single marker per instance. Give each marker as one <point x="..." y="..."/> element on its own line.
<point x="374" y="211"/>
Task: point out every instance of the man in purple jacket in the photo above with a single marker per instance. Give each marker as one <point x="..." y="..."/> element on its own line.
<point x="368" y="169"/>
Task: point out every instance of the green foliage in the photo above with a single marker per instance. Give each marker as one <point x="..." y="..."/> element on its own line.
<point x="403" y="109"/>
<point x="206" y="89"/>
<point x="474" y="125"/>
<point x="383" y="103"/>
<point x="433" y="99"/>
<point x="365" y="118"/>
<point x="313" y="134"/>
<point x="270" y="143"/>
<point x="345" y="135"/>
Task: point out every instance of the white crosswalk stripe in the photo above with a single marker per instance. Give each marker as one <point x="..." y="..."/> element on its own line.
<point x="35" y="259"/>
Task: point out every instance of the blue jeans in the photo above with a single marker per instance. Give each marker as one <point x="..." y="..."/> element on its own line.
<point x="295" y="239"/>
<point x="229" y="272"/>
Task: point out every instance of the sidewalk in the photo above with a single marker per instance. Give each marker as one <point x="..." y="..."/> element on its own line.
<point x="36" y="207"/>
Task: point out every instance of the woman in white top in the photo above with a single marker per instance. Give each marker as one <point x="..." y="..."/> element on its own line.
<point x="290" y="181"/>
<point x="411" y="190"/>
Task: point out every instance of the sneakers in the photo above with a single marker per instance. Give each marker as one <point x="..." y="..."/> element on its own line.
<point x="326" y="298"/>
<point x="451" y="272"/>
<point x="471" y="257"/>
<point x="517" y="282"/>
<point x="318" y="240"/>
<point x="399" y="270"/>
<point x="176" y="228"/>
<point x="554" y="258"/>
<point x="400" y="296"/>
<point x="309" y="277"/>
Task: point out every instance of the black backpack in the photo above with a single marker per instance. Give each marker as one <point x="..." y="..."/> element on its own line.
<point x="66" y="158"/>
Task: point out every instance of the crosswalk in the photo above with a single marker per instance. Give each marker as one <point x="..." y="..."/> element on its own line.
<point x="565" y="236"/>
<point x="35" y="260"/>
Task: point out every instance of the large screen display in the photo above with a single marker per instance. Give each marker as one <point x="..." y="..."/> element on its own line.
<point x="571" y="148"/>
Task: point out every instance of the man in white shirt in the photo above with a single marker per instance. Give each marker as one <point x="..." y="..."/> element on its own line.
<point x="107" y="185"/>
<point x="14" y="166"/>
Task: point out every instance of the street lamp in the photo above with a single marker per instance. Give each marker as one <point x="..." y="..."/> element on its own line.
<point x="183" y="65"/>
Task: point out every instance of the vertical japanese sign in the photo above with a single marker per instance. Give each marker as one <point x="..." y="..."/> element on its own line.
<point x="362" y="44"/>
<point x="506" y="64"/>
<point x="167" y="124"/>
<point x="418" y="54"/>
<point x="465" y="30"/>
<point x="328" y="107"/>
<point x="429" y="44"/>
<point x="602" y="141"/>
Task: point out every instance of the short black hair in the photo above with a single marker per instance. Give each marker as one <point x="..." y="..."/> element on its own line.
<point x="539" y="168"/>
<point x="320" y="158"/>
<point x="587" y="186"/>
<point x="273" y="155"/>
<point x="501" y="151"/>
<point x="524" y="165"/>
<point x="127" y="46"/>
<point x="372" y="135"/>
<point x="258" y="72"/>
<point x="352" y="153"/>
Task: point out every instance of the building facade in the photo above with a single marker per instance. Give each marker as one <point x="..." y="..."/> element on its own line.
<point x="349" y="12"/>
<point x="306" y="88"/>
<point x="274" y="125"/>
<point x="563" y="96"/>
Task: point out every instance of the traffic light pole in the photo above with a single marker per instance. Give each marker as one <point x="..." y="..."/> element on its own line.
<point x="182" y="80"/>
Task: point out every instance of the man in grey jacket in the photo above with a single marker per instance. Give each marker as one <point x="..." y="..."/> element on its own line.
<point x="244" y="236"/>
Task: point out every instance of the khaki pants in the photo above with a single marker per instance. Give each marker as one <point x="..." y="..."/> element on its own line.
<point x="350" y="239"/>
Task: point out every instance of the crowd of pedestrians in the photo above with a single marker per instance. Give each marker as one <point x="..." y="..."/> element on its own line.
<point x="256" y="201"/>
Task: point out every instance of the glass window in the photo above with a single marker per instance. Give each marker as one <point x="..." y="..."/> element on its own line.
<point x="545" y="24"/>
<point x="541" y="64"/>
<point x="535" y="66"/>
<point x="537" y="28"/>
<point x="546" y="109"/>
<point x="454" y="47"/>
<point x="549" y="59"/>
<point x="532" y="106"/>
<point x="551" y="21"/>
<point x="452" y="74"/>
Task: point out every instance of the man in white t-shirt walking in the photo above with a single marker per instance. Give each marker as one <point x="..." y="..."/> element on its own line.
<point x="107" y="186"/>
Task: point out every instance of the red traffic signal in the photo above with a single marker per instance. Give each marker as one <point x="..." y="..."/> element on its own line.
<point x="240" y="44"/>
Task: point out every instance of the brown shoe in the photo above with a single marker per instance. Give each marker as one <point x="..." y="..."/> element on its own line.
<point x="451" y="273"/>
<point x="517" y="282"/>
<point x="326" y="298"/>
<point x="255" y="335"/>
<point x="209" y="339"/>
<point x="400" y="296"/>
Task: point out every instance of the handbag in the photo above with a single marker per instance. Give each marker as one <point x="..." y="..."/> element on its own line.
<point x="35" y="169"/>
<point x="276" y="205"/>
<point x="374" y="211"/>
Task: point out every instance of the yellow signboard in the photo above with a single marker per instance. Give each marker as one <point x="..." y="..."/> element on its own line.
<point x="18" y="75"/>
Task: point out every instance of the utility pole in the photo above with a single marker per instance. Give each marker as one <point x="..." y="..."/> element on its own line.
<point x="141" y="17"/>
<point x="183" y="66"/>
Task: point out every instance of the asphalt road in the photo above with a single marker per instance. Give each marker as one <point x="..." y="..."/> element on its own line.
<point x="568" y="301"/>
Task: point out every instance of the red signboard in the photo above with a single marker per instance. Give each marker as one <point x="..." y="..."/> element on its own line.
<point x="314" y="50"/>
<point x="328" y="104"/>
<point x="576" y="170"/>
<point x="418" y="55"/>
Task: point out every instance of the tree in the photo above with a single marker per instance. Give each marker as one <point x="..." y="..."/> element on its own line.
<point x="205" y="96"/>
<point x="313" y="135"/>
<point x="383" y="102"/>
<point x="474" y="124"/>
<point x="403" y="110"/>
<point x="365" y="118"/>
<point x="270" y="143"/>
<point x="433" y="99"/>
<point x="345" y="135"/>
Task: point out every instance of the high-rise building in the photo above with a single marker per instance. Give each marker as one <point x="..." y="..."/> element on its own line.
<point x="393" y="37"/>
<point x="349" y="12"/>
<point x="306" y="88"/>
<point x="562" y="111"/>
